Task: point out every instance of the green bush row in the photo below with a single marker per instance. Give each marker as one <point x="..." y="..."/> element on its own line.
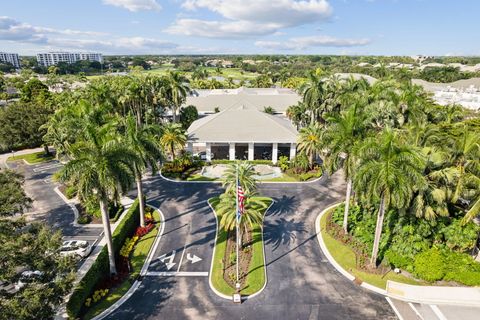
<point x="100" y="268"/>
<point x="437" y="264"/>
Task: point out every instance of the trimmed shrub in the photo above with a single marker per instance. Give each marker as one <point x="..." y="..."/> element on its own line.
<point x="70" y="192"/>
<point x="430" y="265"/>
<point x="100" y="268"/>
<point x="268" y="162"/>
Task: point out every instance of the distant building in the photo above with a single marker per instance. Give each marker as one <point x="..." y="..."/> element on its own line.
<point x="52" y="58"/>
<point x="10" y="57"/>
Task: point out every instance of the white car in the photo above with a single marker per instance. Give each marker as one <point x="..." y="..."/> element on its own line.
<point x="79" y="248"/>
<point x="27" y="277"/>
<point x="203" y="155"/>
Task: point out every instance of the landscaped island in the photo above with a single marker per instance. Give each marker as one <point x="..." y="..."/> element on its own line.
<point x="252" y="262"/>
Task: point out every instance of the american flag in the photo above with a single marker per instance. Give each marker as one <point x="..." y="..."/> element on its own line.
<point x="241" y="200"/>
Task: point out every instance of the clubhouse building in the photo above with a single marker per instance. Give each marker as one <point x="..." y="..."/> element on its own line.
<point x="234" y="125"/>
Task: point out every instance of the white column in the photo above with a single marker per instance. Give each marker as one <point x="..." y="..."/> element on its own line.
<point x="275" y="153"/>
<point x="232" y="151"/>
<point x="293" y="150"/>
<point x="251" y="150"/>
<point x="208" y="151"/>
<point x="190" y="147"/>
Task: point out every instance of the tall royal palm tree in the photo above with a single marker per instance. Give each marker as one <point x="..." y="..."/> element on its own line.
<point x="343" y="132"/>
<point x="309" y="142"/>
<point x="176" y="90"/>
<point x="389" y="171"/>
<point x="246" y="178"/>
<point x="173" y="138"/>
<point x="313" y="92"/>
<point x="100" y="166"/>
<point x="143" y="142"/>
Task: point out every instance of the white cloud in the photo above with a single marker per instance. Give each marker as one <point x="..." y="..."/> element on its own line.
<point x="134" y="5"/>
<point x="243" y="18"/>
<point x="301" y="43"/>
<point x="52" y="39"/>
<point x="219" y="29"/>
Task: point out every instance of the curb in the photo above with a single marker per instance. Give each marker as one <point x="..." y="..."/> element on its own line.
<point x="258" y="181"/>
<point x="332" y="261"/>
<point x="218" y="293"/>
<point x="137" y="283"/>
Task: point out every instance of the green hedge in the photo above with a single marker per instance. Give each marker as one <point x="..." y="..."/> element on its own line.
<point x="100" y="267"/>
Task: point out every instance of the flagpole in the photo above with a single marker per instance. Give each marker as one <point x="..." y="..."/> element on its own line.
<point x="237" y="226"/>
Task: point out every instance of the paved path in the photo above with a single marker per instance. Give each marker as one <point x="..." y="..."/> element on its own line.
<point x="301" y="284"/>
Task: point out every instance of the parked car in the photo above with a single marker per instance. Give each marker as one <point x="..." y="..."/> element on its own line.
<point x="27" y="277"/>
<point x="79" y="248"/>
<point x="203" y="155"/>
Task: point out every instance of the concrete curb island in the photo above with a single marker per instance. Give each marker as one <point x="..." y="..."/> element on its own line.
<point x="461" y="296"/>
<point x="218" y="293"/>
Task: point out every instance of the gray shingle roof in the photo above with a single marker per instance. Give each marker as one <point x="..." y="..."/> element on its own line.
<point x="242" y="125"/>
<point x="208" y="100"/>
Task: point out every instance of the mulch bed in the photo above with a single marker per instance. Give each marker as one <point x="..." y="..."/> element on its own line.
<point x="230" y="267"/>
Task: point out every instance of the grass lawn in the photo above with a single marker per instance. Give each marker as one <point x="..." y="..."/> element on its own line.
<point x="256" y="274"/>
<point x="32" y="158"/>
<point x="345" y="257"/>
<point x="199" y="177"/>
<point x="137" y="259"/>
<point x="284" y="178"/>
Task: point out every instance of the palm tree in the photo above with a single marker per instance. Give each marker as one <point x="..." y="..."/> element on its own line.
<point x="142" y="142"/>
<point x="389" y="172"/>
<point x="313" y="93"/>
<point x="252" y="214"/>
<point x="298" y="115"/>
<point x="245" y="172"/>
<point x="100" y="166"/>
<point x="173" y="138"/>
<point x="343" y="132"/>
<point x="176" y="91"/>
<point x="309" y="141"/>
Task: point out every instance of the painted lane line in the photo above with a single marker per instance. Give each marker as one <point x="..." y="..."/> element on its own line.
<point x="184" y="246"/>
<point x="415" y="310"/>
<point x="177" y="274"/>
<point x="390" y="302"/>
<point x="438" y="312"/>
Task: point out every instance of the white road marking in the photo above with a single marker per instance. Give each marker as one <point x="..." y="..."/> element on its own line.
<point x="438" y="312"/>
<point x="184" y="246"/>
<point x="41" y="169"/>
<point x="415" y="310"/>
<point x="193" y="259"/>
<point x="170" y="258"/>
<point x="176" y="274"/>
<point x="390" y="302"/>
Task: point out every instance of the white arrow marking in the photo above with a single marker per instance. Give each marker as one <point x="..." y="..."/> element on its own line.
<point x="194" y="259"/>
<point x="170" y="258"/>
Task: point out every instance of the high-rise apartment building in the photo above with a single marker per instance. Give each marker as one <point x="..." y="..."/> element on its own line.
<point x="52" y="58"/>
<point x="10" y="57"/>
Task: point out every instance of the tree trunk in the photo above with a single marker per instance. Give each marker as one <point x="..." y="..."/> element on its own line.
<point x="378" y="233"/>
<point x="45" y="148"/>
<point x="174" y="114"/>
<point x="108" y="236"/>
<point x="141" y="200"/>
<point x="347" y="205"/>
<point x="173" y="152"/>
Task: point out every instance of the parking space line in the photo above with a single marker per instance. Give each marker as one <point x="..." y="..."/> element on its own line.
<point x="390" y="302"/>
<point x="438" y="312"/>
<point x="53" y="166"/>
<point x="415" y="310"/>
<point x="176" y="274"/>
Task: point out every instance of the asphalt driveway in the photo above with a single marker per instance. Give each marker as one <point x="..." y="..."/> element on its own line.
<point x="301" y="283"/>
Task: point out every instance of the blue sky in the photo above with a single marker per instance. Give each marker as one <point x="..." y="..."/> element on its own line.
<point x="377" y="27"/>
